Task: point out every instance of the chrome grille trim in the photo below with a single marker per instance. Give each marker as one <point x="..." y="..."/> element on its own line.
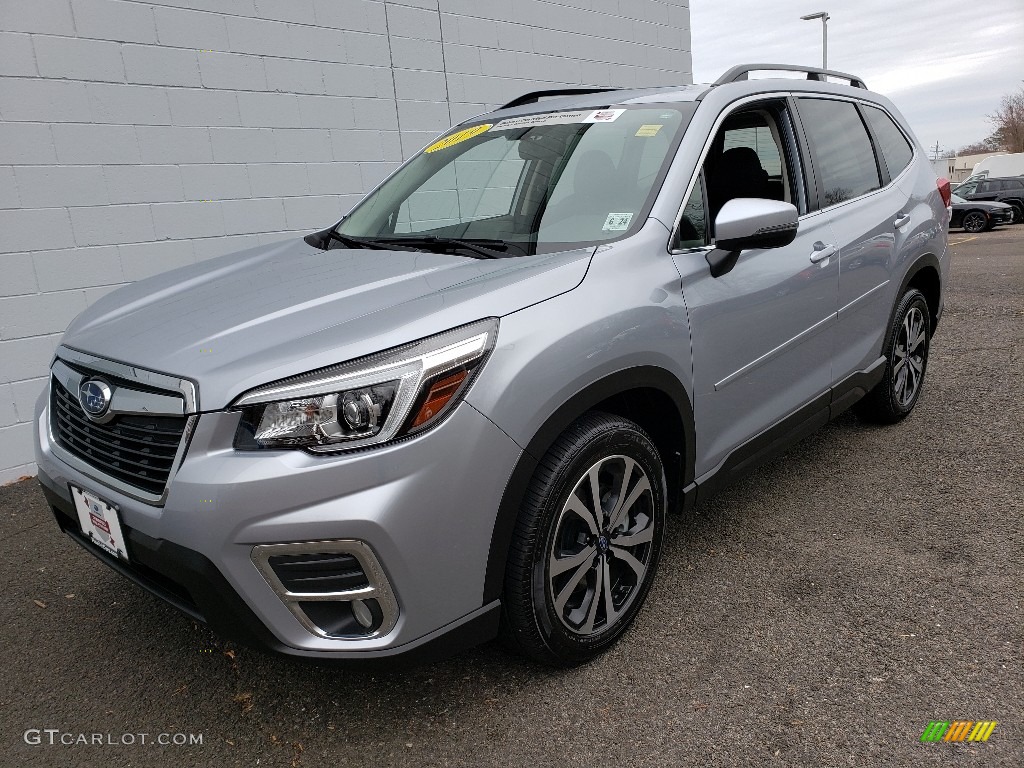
<point x="147" y="378"/>
<point x="73" y="435"/>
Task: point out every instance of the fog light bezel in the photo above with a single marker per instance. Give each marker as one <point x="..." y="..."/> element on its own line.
<point x="378" y="588"/>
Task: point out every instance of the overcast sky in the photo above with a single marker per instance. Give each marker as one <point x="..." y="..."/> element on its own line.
<point x="944" y="63"/>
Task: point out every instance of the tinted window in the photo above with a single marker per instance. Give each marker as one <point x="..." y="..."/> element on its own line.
<point x="1011" y="184"/>
<point x="844" y="159"/>
<point x="692" y="230"/>
<point x="894" y="145"/>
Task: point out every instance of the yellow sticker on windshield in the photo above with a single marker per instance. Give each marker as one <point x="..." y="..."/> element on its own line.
<point x="455" y="138"/>
<point x="649" y="130"/>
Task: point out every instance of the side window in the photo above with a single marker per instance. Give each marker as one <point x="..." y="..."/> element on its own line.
<point x="844" y="159"/>
<point x="752" y="155"/>
<point x="896" y="150"/>
<point x="1013" y="185"/>
<point x="748" y="159"/>
<point x="987" y="187"/>
<point x="692" y="226"/>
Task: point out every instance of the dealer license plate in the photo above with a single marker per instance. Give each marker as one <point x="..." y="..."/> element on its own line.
<point x="99" y="522"/>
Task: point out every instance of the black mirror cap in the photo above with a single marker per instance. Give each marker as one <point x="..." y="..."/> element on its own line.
<point x="775" y="237"/>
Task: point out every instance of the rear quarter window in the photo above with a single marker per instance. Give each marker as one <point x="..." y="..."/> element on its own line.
<point x="896" y="150"/>
<point x="843" y="156"/>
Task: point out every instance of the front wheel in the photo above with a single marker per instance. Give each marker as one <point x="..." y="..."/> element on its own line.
<point x="587" y="542"/>
<point x="906" y="352"/>
<point x="1016" y="213"/>
<point x="975" y="222"/>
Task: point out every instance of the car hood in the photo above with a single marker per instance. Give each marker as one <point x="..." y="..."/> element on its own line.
<point x="239" y="321"/>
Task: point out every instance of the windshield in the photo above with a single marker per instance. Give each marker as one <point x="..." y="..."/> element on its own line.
<point x="532" y="184"/>
<point x="957" y="199"/>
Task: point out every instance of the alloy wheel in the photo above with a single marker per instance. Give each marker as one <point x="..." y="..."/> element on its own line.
<point x="909" y="353"/>
<point x="602" y="546"/>
<point x="974" y="222"/>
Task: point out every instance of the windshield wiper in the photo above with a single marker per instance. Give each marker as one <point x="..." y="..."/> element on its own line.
<point x="323" y="238"/>
<point x="486" y="249"/>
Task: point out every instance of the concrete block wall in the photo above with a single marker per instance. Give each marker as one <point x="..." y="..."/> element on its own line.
<point x="137" y="136"/>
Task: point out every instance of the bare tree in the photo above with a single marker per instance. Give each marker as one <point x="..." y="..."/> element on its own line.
<point x="986" y="147"/>
<point x="1008" y="120"/>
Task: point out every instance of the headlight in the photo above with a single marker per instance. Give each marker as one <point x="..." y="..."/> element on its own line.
<point x="368" y="401"/>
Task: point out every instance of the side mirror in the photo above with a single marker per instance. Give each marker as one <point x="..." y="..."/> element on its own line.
<point x="750" y="222"/>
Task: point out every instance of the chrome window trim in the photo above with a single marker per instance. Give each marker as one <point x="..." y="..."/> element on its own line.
<point x="732" y="106"/>
<point x="867" y="102"/>
<point x="379" y="587"/>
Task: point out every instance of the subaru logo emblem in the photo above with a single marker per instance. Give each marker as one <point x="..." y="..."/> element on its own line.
<point x="94" y="395"/>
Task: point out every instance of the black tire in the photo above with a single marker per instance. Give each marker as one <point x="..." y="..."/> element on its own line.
<point x="567" y="629"/>
<point x="974" y="221"/>
<point x="1018" y="213"/>
<point x="890" y="401"/>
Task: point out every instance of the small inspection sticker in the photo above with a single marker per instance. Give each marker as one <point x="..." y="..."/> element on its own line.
<point x="617" y="222"/>
<point x="458" y="136"/>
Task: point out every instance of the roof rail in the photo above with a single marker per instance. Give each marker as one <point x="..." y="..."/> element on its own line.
<point x="741" y="72"/>
<point x="534" y="96"/>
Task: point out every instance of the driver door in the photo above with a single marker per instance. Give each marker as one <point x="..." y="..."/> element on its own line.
<point x="761" y="334"/>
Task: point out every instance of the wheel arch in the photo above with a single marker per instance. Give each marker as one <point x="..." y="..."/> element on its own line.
<point x="925" y="276"/>
<point x="650" y="396"/>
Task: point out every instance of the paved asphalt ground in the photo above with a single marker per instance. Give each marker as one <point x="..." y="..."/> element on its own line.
<point x="820" y="613"/>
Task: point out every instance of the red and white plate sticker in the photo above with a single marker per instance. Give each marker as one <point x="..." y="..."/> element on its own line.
<point x="604" y="116"/>
<point x="99" y="522"/>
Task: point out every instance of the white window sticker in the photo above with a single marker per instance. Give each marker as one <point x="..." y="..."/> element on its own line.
<point x="603" y="116"/>
<point x="616" y="222"/>
<point x="544" y="118"/>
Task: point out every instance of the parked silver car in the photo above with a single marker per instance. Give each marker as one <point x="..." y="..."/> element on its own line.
<point x="465" y="410"/>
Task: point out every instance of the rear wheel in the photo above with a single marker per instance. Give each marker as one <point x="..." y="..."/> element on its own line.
<point x="906" y="355"/>
<point x="587" y="542"/>
<point x="975" y="221"/>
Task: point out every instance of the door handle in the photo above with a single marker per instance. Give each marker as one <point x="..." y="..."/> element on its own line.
<point x="902" y="220"/>
<point x="822" y="251"/>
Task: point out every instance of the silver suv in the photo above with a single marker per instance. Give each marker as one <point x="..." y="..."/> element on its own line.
<point x="465" y="410"/>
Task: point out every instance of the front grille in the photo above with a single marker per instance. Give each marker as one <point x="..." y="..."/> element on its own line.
<point x="319" y="572"/>
<point x="137" y="450"/>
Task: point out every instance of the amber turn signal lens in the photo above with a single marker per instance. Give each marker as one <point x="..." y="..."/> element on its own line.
<point x="441" y="391"/>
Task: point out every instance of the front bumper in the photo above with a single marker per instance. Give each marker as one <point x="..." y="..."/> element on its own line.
<point x="425" y="506"/>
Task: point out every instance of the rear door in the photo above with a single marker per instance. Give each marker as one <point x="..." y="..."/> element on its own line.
<point x="868" y="214"/>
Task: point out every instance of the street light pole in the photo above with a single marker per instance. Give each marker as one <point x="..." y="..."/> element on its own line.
<point x="823" y="15"/>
